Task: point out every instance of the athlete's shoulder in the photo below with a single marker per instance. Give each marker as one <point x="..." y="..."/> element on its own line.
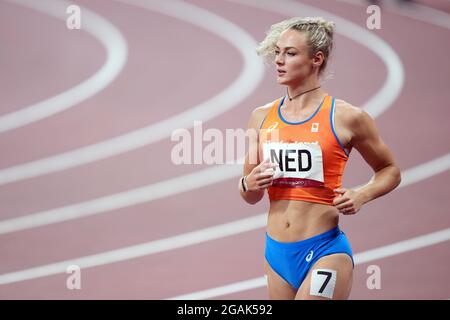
<point x="264" y="109"/>
<point x="260" y="113"/>
<point x="343" y="106"/>
<point x="348" y="113"/>
<point x="355" y="120"/>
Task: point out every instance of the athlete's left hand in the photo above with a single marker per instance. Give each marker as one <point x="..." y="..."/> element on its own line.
<point x="348" y="201"/>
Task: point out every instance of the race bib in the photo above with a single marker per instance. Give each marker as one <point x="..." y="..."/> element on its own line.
<point x="299" y="164"/>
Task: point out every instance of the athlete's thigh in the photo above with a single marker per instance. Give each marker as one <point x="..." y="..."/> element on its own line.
<point x="334" y="269"/>
<point x="278" y="288"/>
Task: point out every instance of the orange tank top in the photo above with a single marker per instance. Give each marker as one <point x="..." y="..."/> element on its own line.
<point x="310" y="157"/>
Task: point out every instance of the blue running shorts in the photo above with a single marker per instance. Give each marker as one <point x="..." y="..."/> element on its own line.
<point x="293" y="260"/>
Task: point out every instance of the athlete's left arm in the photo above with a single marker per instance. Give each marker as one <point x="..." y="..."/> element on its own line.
<point x="366" y="139"/>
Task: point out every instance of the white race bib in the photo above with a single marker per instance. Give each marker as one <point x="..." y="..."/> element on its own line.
<point x="299" y="164"/>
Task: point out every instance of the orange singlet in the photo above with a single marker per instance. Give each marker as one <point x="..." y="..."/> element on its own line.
<point x="310" y="157"/>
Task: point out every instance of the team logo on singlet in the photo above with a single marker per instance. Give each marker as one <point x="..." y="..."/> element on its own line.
<point x="300" y="164"/>
<point x="273" y="126"/>
<point x="315" y="127"/>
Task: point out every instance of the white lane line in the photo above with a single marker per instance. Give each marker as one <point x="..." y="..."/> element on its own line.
<point x="415" y="11"/>
<point x="144" y="249"/>
<point x="182" y="240"/>
<point x="403" y="246"/>
<point x="173" y="186"/>
<point x="424" y="14"/>
<point x="425" y="170"/>
<point x="235" y="287"/>
<point x="102" y="30"/>
<point x="360" y="258"/>
<point x="393" y="85"/>
<point x="246" y="82"/>
<point x="128" y="198"/>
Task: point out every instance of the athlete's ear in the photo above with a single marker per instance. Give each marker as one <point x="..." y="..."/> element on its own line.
<point x="318" y="59"/>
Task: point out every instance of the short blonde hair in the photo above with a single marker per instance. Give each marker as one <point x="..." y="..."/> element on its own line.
<point x="319" y="33"/>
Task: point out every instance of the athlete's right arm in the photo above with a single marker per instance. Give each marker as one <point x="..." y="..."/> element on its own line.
<point x="257" y="179"/>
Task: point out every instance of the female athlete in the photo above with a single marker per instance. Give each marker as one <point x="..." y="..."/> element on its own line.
<point x="303" y="142"/>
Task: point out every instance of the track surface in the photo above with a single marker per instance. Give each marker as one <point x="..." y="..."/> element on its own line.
<point x="171" y="66"/>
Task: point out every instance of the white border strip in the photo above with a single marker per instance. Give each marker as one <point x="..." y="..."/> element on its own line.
<point x="246" y="82"/>
<point x="101" y="29"/>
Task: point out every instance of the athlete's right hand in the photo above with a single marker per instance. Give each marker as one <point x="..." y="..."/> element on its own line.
<point x="261" y="177"/>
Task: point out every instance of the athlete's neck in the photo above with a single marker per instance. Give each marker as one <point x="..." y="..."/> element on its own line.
<point x="304" y="101"/>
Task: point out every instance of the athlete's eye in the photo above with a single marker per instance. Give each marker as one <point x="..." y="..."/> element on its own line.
<point x="291" y="54"/>
<point x="277" y="52"/>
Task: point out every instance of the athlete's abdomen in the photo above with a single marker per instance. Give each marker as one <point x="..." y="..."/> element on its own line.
<point x="292" y="220"/>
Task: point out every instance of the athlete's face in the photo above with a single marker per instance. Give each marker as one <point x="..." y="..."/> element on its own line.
<point x="292" y="58"/>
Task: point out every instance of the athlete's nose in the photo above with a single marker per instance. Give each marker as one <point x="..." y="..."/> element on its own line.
<point x="279" y="61"/>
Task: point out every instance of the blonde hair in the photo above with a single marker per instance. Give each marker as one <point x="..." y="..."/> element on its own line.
<point x="319" y="34"/>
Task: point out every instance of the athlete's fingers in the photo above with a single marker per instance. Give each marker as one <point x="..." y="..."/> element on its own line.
<point x="264" y="179"/>
<point x="266" y="185"/>
<point x="266" y="166"/>
<point x="264" y="175"/>
<point x="340" y="190"/>
<point x="348" y="211"/>
<point x="264" y="182"/>
<point x="264" y="163"/>
<point x="339" y="200"/>
<point x="340" y="193"/>
<point x="344" y="205"/>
